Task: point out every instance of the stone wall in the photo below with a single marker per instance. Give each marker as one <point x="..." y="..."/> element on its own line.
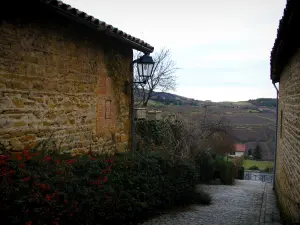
<point x="54" y="79"/>
<point x="288" y="150"/>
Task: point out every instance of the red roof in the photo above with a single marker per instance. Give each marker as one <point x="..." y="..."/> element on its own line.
<point x="240" y="147"/>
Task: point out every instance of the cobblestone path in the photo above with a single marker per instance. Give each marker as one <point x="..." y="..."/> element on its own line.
<point x="245" y="203"/>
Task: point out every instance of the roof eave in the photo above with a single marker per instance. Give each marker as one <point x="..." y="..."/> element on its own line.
<point x="78" y="19"/>
<point x="286" y="40"/>
<point x="131" y="43"/>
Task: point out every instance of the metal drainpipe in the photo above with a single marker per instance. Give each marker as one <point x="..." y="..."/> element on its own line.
<point x="275" y="150"/>
<point x="132" y="113"/>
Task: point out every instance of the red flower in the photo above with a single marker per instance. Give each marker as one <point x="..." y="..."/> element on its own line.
<point x="19" y="157"/>
<point x="5" y="172"/>
<point x="29" y="223"/>
<point x="57" y="161"/>
<point x="71" y="161"/>
<point x="2" y="162"/>
<point x="26" y="152"/>
<point x="22" y="166"/>
<point x="93" y="158"/>
<point x="26" y="179"/>
<point x="47" y="158"/>
<point x="48" y="197"/>
<point x="55" y="223"/>
<point x="109" y="161"/>
<point x="105" y="179"/>
<point x="3" y="157"/>
<point x="66" y="201"/>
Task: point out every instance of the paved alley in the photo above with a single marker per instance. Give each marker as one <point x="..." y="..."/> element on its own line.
<point x="247" y="202"/>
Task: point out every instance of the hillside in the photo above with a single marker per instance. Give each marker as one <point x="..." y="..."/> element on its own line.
<point x="253" y="121"/>
<point x="173" y="99"/>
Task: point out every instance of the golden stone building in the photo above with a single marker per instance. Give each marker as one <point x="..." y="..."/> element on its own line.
<point x="285" y="69"/>
<point x="66" y="74"/>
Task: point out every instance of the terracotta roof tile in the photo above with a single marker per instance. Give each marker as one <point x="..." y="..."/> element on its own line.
<point x="240" y="147"/>
<point x="96" y="22"/>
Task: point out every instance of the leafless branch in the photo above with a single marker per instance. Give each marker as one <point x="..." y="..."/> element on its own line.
<point x="163" y="77"/>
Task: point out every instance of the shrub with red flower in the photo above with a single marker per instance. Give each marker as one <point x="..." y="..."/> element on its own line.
<point x="104" y="179"/>
<point x="26" y="179"/>
<point x="47" y="158"/>
<point x="22" y="165"/>
<point x="54" y="189"/>
<point x="71" y="161"/>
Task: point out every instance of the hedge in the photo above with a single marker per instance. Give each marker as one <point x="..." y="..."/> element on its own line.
<point x="226" y="171"/>
<point x="40" y="188"/>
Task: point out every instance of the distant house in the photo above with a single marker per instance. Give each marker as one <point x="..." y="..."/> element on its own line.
<point x="285" y="69"/>
<point x="64" y="72"/>
<point x="239" y="150"/>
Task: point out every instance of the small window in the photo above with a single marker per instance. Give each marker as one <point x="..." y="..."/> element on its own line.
<point x="108" y="109"/>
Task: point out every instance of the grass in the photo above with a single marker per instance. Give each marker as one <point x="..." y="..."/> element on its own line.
<point x="242" y="103"/>
<point x="260" y="164"/>
<point x="253" y="111"/>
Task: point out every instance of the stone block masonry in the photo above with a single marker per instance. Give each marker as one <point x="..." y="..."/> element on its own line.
<point x="54" y="80"/>
<point x="288" y="150"/>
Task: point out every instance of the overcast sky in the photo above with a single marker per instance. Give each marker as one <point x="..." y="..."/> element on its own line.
<point x="222" y="46"/>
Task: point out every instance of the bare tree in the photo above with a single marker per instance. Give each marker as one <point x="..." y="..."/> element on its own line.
<point x="163" y="77"/>
<point x="222" y="143"/>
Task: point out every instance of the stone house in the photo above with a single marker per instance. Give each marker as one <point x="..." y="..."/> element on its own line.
<point x="285" y="69"/>
<point x="67" y="74"/>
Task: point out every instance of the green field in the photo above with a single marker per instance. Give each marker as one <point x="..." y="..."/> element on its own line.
<point x="260" y="164"/>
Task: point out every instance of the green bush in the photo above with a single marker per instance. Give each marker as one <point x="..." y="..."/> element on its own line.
<point x="157" y="132"/>
<point x="268" y="169"/>
<point x="241" y="171"/>
<point x="226" y="171"/>
<point x="200" y="197"/>
<point x="51" y="189"/>
<point x="253" y="168"/>
<point x="246" y="157"/>
<point x="205" y="166"/>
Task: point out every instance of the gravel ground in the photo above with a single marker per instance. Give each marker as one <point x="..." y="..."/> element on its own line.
<point x="247" y="202"/>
